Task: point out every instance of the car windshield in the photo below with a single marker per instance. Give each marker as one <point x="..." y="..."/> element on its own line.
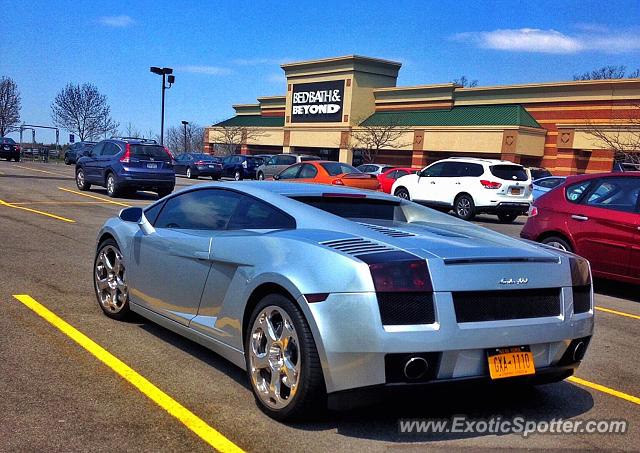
<point x="7" y="141"/>
<point x="338" y="168"/>
<point x="149" y="151"/>
<point x="509" y="172"/>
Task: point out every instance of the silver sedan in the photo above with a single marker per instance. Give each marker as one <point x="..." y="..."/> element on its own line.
<point x="322" y="293"/>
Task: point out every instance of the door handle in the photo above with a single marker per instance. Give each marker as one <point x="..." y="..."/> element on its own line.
<point x="458" y="183"/>
<point x="580" y="218"/>
<point x="432" y="182"/>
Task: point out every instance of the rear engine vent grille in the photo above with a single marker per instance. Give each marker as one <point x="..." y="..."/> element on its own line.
<point x="387" y="231"/>
<point x="357" y="246"/>
<point x="581" y="299"/>
<point x="401" y="309"/>
<point x="473" y="306"/>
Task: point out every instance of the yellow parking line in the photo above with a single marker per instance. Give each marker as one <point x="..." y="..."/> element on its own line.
<point x="620" y="313"/>
<point x="35" y="211"/>
<point x="602" y="388"/>
<point x="43" y="171"/>
<point x="184" y="415"/>
<point x="106" y="200"/>
<point x="23" y="203"/>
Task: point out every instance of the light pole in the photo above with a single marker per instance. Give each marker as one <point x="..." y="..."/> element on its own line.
<point x="164" y="72"/>
<point x="184" y="123"/>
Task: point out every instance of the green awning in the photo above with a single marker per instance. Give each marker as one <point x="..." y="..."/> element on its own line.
<point x="253" y="121"/>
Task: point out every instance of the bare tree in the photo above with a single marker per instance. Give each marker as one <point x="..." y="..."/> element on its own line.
<point x="623" y="137"/>
<point x="229" y="138"/>
<point x="82" y="110"/>
<point x="130" y="130"/>
<point x="607" y="72"/>
<point x="463" y="81"/>
<point x="370" y="139"/>
<point x="9" y="105"/>
<point x="175" y="138"/>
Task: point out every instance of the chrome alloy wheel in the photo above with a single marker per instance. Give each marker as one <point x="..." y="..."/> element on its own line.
<point x="557" y="245"/>
<point x="80" y="178"/>
<point x="109" y="276"/>
<point x="111" y="184"/>
<point x="274" y="357"/>
<point x="463" y="207"/>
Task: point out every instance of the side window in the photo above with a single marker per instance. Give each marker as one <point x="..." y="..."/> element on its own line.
<point x="575" y="191"/>
<point x="252" y="214"/>
<point x="474" y="170"/>
<point x="619" y="194"/>
<point x="308" y="171"/>
<point x="207" y="209"/>
<point x="290" y="173"/>
<point x="110" y="149"/>
<point x="272" y="161"/>
<point x="393" y="174"/>
<point x="453" y="169"/>
<point x="97" y="150"/>
<point x="549" y="183"/>
<point x="435" y="170"/>
<point x="226" y="160"/>
<point x="399" y="173"/>
<point x="152" y="213"/>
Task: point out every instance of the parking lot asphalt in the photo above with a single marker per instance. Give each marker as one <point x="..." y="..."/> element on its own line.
<point x="56" y="395"/>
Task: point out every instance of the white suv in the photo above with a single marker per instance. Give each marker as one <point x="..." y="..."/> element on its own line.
<point x="470" y="186"/>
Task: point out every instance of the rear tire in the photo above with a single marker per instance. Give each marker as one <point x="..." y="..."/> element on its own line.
<point x="81" y="181"/>
<point x="109" y="280"/>
<point x="294" y="355"/>
<point x="67" y="161"/>
<point x="237" y="175"/>
<point x="507" y="217"/>
<point x="403" y="193"/>
<point x="190" y="174"/>
<point x="17" y="159"/>
<point x="464" y="207"/>
<point x="113" y="189"/>
<point x="260" y="176"/>
<point x="558" y="242"/>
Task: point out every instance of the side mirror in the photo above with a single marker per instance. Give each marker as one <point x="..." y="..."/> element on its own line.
<point x="276" y="177"/>
<point x="136" y="215"/>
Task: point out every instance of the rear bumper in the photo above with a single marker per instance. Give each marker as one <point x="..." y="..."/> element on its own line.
<point x="507" y="207"/>
<point x="146" y="183"/>
<point x="12" y="154"/>
<point x="208" y="171"/>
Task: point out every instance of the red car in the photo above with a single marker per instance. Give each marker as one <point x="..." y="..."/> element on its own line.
<point x="597" y="217"/>
<point x="388" y="177"/>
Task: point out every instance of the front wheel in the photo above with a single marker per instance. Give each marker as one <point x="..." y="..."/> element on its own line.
<point x="282" y="361"/>
<point x="110" y="282"/>
<point x="67" y="161"/>
<point x="506" y="217"/>
<point x="81" y="181"/>
<point x="260" y="176"/>
<point x="17" y="159"/>
<point x="403" y="193"/>
<point x="464" y="207"/>
<point x="112" y="186"/>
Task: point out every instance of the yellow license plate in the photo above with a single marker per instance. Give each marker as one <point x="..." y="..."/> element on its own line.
<point x="510" y="362"/>
<point x="516" y="191"/>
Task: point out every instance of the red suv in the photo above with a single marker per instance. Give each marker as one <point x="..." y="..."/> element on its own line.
<point x="595" y="216"/>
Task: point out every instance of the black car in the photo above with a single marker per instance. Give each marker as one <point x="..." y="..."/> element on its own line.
<point x="76" y="151"/>
<point x="537" y="173"/>
<point x="241" y="166"/>
<point x="9" y="149"/>
<point x="194" y="165"/>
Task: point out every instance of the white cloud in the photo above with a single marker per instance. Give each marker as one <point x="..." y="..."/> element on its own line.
<point x="551" y="41"/>
<point x="117" y="21"/>
<point x="261" y="61"/>
<point x="209" y="70"/>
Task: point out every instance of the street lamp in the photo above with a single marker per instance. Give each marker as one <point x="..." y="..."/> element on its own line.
<point x="164" y="72"/>
<point x="184" y="123"/>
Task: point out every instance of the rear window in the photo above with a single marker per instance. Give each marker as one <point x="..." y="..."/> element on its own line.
<point x="356" y="208"/>
<point x="338" y="168"/>
<point x="509" y="172"/>
<point x="7" y="141"/>
<point x="207" y="157"/>
<point x="87" y="146"/>
<point x="149" y="151"/>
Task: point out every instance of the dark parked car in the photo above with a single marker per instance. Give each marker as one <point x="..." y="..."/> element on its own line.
<point x="537" y="173"/>
<point x="9" y="149"/>
<point x="194" y="165"/>
<point x="274" y="165"/>
<point x="240" y="166"/>
<point x="597" y="217"/>
<point x="126" y="164"/>
<point x="76" y="151"/>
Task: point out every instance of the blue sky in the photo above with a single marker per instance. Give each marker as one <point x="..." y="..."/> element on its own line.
<point x="227" y="52"/>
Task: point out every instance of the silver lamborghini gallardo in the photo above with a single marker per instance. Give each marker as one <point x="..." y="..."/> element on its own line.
<point x="320" y="292"/>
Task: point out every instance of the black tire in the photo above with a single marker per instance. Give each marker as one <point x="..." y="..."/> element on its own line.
<point x="237" y="175"/>
<point x="81" y="181"/>
<point x="17" y="159"/>
<point x="67" y="161"/>
<point x="215" y="178"/>
<point x="113" y="188"/>
<point x="464" y="207"/>
<point x="260" y="176"/>
<point x="190" y="174"/>
<point x="124" y="312"/>
<point x="558" y="242"/>
<point x="164" y="192"/>
<point x="507" y="217"/>
<point x="310" y="397"/>
<point x="403" y="193"/>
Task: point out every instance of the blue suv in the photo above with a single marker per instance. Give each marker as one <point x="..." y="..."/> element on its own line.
<point x="126" y="165"/>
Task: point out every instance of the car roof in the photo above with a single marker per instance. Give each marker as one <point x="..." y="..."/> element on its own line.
<point x="477" y="160"/>
<point x="585" y="177"/>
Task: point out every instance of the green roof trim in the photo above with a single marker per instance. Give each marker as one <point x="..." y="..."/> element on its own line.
<point x="253" y="121"/>
<point x="482" y="115"/>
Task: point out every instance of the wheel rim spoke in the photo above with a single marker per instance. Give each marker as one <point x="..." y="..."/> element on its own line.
<point x="110" y="279"/>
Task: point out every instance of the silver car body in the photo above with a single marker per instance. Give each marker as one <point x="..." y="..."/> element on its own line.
<point x="198" y="283"/>
<point x="281" y="161"/>
<point x="374" y="169"/>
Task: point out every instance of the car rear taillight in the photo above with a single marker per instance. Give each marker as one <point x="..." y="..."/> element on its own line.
<point x="126" y="157"/>
<point x="337" y="182"/>
<point x="490" y="184"/>
<point x="401" y="276"/>
<point x="533" y="211"/>
<point x="166" y="150"/>
<point x="200" y="162"/>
